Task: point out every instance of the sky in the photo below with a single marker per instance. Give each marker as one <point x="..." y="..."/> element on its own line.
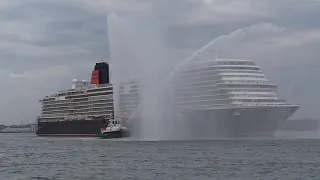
<point x="44" y="44"/>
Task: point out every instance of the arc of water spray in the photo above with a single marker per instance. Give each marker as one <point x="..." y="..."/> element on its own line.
<point x="188" y="59"/>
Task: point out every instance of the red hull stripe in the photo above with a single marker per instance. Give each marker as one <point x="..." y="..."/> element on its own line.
<point x="69" y="135"/>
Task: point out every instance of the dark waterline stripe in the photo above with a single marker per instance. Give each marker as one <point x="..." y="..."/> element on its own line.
<point x="69" y="135"/>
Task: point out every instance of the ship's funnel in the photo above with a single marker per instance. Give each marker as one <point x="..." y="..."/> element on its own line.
<point x="100" y="75"/>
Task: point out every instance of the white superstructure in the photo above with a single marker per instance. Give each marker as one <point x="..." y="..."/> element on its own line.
<point x="129" y="98"/>
<point x="224" y="83"/>
<point x="83" y="101"/>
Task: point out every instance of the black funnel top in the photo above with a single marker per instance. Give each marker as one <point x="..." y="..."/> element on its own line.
<point x="103" y="68"/>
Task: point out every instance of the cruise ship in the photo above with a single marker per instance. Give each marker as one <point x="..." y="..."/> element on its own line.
<point x="81" y="110"/>
<point x="220" y="98"/>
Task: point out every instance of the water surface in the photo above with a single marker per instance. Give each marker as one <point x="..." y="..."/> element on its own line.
<point x="26" y="156"/>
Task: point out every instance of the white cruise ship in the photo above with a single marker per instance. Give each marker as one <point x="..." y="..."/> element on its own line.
<point x="221" y="98"/>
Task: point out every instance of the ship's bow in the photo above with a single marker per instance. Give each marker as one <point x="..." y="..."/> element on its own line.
<point x="261" y="121"/>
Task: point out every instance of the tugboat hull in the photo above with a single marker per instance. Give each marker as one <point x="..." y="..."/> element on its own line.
<point x="115" y="134"/>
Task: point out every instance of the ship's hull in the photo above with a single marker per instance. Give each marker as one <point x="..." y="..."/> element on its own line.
<point x="241" y="122"/>
<point x="71" y="128"/>
<point x="301" y="125"/>
<point x="238" y="122"/>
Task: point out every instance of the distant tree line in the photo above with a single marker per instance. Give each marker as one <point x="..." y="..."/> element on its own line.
<point x="2" y="126"/>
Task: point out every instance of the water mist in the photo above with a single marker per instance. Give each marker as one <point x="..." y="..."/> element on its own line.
<point x="137" y="52"/>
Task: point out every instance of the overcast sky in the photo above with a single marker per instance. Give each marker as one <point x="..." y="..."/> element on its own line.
<point x="44" y="44"/>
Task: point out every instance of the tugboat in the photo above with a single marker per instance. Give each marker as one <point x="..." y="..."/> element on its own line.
<point x="114" y="129"/>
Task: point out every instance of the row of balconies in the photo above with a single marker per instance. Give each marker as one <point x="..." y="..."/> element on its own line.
<point x="212" y="73"/>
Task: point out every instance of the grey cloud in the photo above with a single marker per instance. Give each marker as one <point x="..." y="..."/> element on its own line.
<point x="296" y="14"/>
<point x="51" y="32"/>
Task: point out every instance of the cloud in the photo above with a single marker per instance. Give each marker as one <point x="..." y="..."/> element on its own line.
<point x="297" y="38"/>
<point x="218" y="11"/>
<point x="123" y="7"/>
<point x="48" y="73"/>
<point x="273" y="46"/>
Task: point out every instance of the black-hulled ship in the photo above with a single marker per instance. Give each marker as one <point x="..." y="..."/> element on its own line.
<point x="80" y="111"/>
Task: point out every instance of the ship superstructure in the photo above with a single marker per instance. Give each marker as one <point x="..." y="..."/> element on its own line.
<point x="80" y="103"/>
<point x="129" y="98"/>
<point x="81" y="110"/>
<point x="222" y="97"/>
<point x="225" y="83"/>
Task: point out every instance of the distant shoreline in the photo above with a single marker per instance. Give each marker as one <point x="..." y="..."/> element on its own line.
<point x="22" y="132"/>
